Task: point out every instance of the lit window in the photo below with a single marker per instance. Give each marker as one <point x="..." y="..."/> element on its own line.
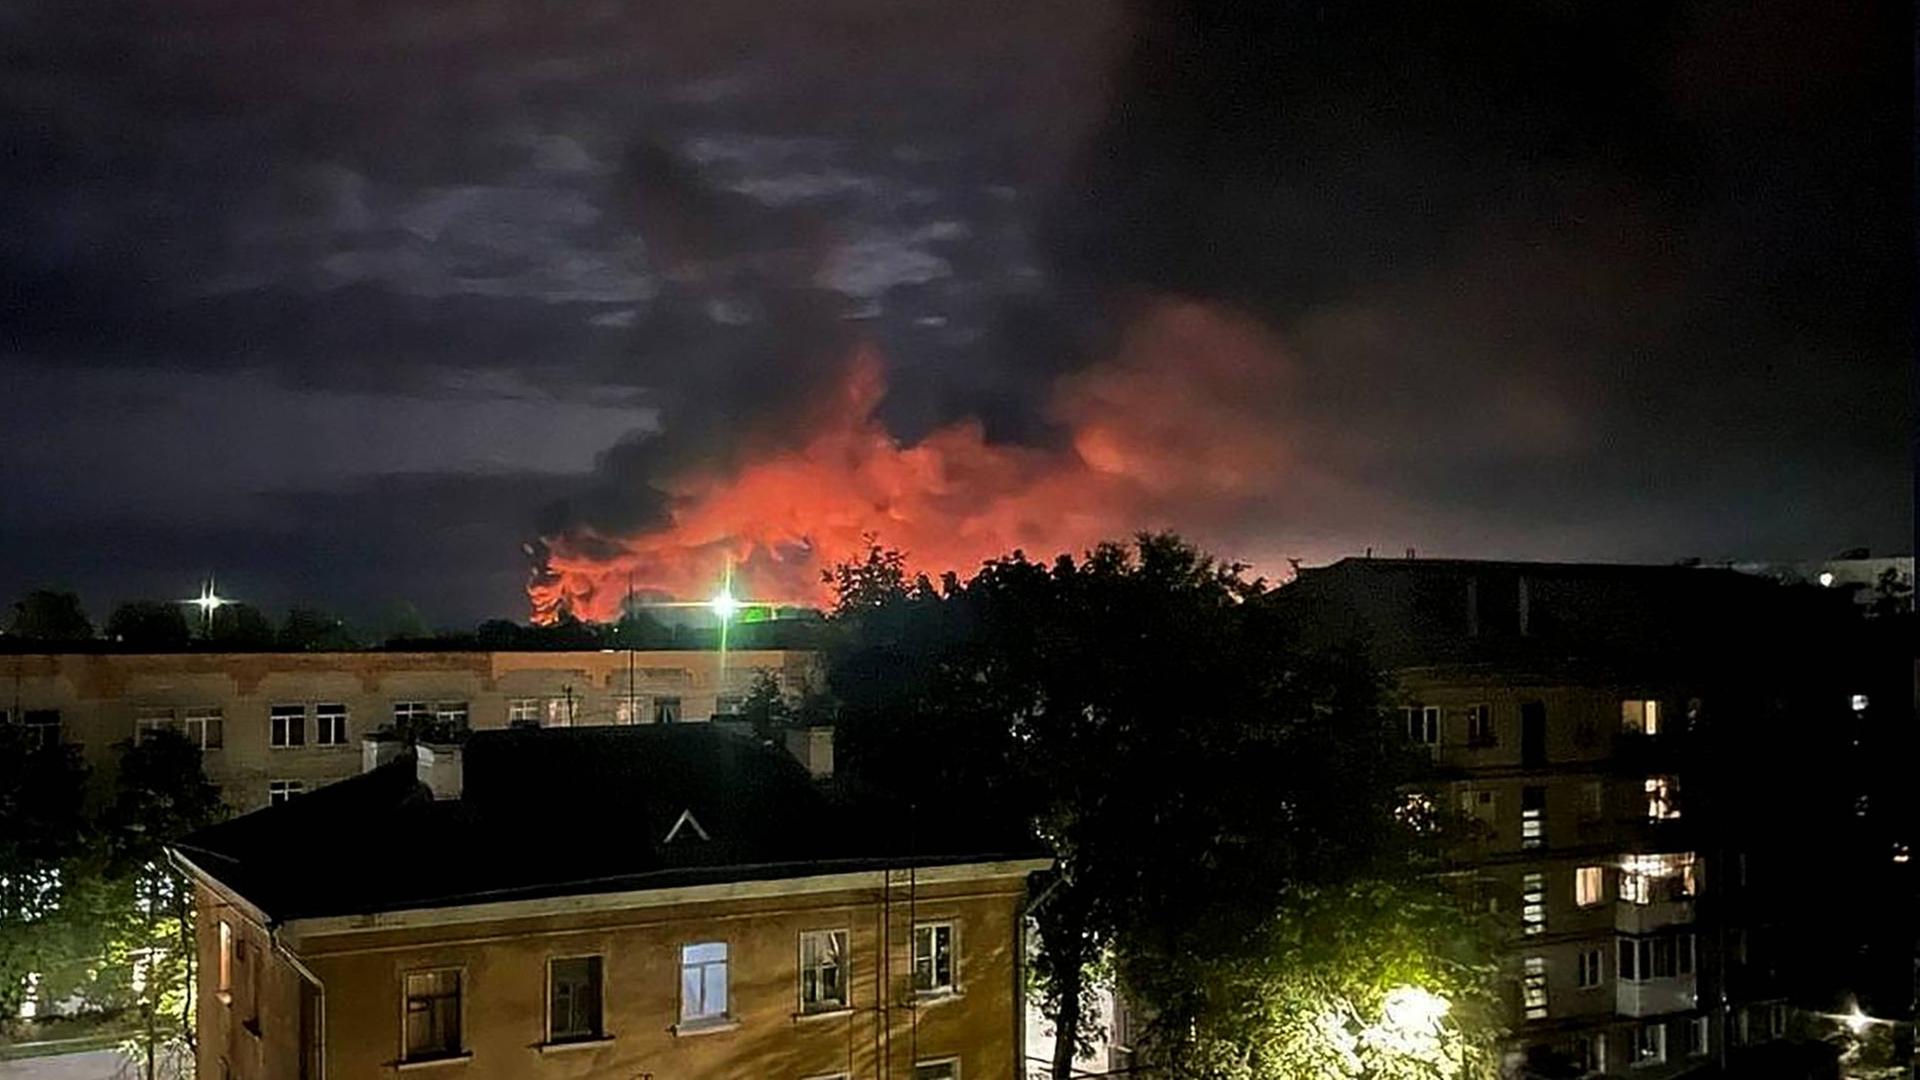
<point x="561" y="711"/>
<point x="1649" y="879"/>
<point x="523" y="712"/>
<point x="279" y="791"/>
<point x="1650" y="1044"/>
<point x="627" y="710"/>
<point x="937" y="1070"/>
<point x="451" y="715"/>
<point x="703" y="982"/>
<point x="1640" y="717"/>
<point x="666" y="710"/>
<point x="225" y="985"/>
<point x="330" y="724"/>
<point x="1480" y="730"/>
<point x="1533" y="987"/>
<point x="286" y="726"/>
<point x="1592" y="971"/>
<point x="933" y="958"/>
<point x="728" y="704"/>
<point x="1859" y="703"/>
<point x="433" y="1015"/>
<point x="1700" y="1036"/>
<point x="1533" y="903"/>
<point x="1421" y="723"/>
<point x="823" y="970"/>
<point x="1663" y="798"/>
<point x="573" y="999"/>
<point x="1589" y="885"/>
<point x="41" y="727"/>
<point x="1533" y="817"/>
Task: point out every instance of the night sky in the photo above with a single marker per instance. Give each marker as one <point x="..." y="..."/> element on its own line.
<point x="347" y="302"/>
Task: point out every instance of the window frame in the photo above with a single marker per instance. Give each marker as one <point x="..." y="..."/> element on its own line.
<point x="1429" y="717"/>
<point x="1482" y="731"/>
<point x="336" y="714"/>
<point x="936" y="989"/>
<point x="1533" y="988"/>
<point x="706" y="1019"/>
<point x="223" y="987"/>
<point x="1590" y="968"/>
<point x="934" y="1063"/>
<point x="1533" y="903"/>
<point x="1659" y="1057"/>
<point x="599" y="1027"/>
<point x="1533" y="819"/>
<point x="1589" y="886"/>
<point x="667" y="709"/>
<point x="1700" y="1036"/>
<point x="290" y="789"/>
<point x="280" y="732"/>
<point x="1641" y="716"/>
<point x="40" y="731"/>
<point x="845" y="965"/>
<point x="150" y="718"/>
<point x="523" y="711"/>
<point x="460" y="1051"/>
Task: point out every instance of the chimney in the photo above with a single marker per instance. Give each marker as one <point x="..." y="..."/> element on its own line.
<point x="812" y="747"/>
<point x="376" y="750"/>
<point x="438" y="766"/>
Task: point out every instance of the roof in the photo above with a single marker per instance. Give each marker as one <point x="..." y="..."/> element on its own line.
<point x="574" y="811"/>
<point x="1423" y="612"/>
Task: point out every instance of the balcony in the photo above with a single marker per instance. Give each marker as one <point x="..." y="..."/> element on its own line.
<point x="1656" y="997"/>
<point x="1632" y="918"/>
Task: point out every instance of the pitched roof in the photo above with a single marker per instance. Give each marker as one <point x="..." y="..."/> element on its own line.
<point x="556" y="812"/>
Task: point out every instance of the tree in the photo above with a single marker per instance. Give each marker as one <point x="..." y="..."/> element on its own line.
<point x="50" y="616"/>
<point x="42" y="804"/>
<point x="161" y="793"/>
<point x="150" y="625"/>
<point x="239" y="628"/>
<point x="310" y="630"/>
<point x="1193" y="766"/>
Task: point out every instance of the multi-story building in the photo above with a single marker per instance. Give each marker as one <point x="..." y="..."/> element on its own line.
<point x="654" y="901"/>
<point x="274" y="725"/>
<point x="1626" y="748"/>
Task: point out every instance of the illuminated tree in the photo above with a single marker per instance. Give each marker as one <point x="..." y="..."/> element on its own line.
<point x="1194" y="768"/>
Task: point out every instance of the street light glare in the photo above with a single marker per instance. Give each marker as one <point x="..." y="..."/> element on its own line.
<point x="724" y="606"/>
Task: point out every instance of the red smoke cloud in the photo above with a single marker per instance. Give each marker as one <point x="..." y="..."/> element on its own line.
<point x="1166" y="434"/>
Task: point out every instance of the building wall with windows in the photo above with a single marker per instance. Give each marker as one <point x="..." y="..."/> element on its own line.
<point x="275" y="725"/>
<point x="504" y="989"/>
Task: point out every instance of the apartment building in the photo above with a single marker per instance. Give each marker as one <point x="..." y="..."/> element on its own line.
<point x="647" y="901"/>
<point x="276" y="725"/>
<point x="1628" y="749"/>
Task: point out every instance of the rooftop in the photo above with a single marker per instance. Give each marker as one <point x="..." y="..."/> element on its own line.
<point x="574" y="811"/>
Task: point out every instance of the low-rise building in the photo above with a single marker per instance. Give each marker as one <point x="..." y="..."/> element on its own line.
<point x="276" y="725"/>
<point x="650" y="901"/>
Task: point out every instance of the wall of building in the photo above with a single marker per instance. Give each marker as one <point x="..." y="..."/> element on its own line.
<point x="100" y="696"/>
<point x="504" y="966"/>
<point x="251" y="1030"/>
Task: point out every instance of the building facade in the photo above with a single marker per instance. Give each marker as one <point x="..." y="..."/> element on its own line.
<point x="1625" y="752"/>
<point x="275" y="725"/>
<point x="702" y="941"/>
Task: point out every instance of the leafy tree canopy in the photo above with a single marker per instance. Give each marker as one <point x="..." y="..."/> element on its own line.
<point x="51" y="616"/>
<point x="152" y="625"/>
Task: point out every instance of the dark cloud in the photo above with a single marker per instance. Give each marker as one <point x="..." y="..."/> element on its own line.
<point x="1541" y="279"/>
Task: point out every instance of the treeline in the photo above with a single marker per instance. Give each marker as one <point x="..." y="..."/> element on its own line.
<point x="49" y="620"/>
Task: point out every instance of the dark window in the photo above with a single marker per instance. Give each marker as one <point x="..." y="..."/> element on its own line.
<point x="42" y="727"/>
<point x="287" y="725"/>
<point x="330" y="724"/>
<point x="1628" y="967"/>
<point x="1480" y="729"/>
<point x="1422" y="723"/>
<point x="574" y="999"/>
<point x="933" y="957"/>
<point x="1533" y="733"/>
<point x="666" y="710"/>
<point x="433" y="1015"/>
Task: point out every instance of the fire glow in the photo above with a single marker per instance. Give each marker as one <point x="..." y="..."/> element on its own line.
<point x="1148" y="431"/>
